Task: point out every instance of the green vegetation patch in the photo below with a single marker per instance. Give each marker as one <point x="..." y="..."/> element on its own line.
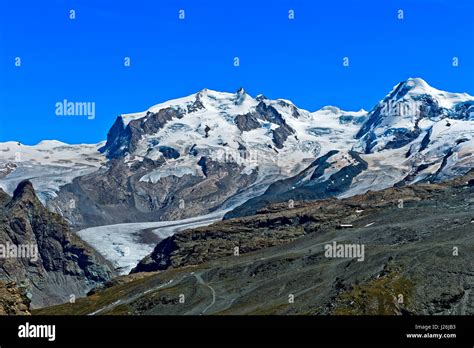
<point x="387" y="295"/>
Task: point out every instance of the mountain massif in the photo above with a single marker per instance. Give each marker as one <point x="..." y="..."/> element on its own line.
<point x="285" y="181"/>
<point x="215" y="151"/>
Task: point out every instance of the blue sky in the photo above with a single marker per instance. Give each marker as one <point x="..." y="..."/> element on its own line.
<point x="299" y="60"/>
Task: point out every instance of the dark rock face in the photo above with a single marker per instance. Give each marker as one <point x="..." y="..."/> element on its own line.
<point x="426" y="140"/>
<point x="202" y="164"/>
<point x="169" y="152"/>
<point x="4" y="197"/>
<point x="402" y="137"/>
<point x="246" y="122"/>
<point x="123" y="140"/>
<point x="197" y="105"/>
<point x="206" y="131"/>
<point x="297" y="189"/>
<point x="57" y="264"/>
<point x="116" y="194"/>
<point x="352" y="119"/>
<point x="193" y="150"/>
<point x="159" y="259"/>
<point x="281" y="134"/>
<point x="115" y="139"/>
<point x="268" y="113"/>
<point x="294" y="110"/>
<point x="464" y="111"/>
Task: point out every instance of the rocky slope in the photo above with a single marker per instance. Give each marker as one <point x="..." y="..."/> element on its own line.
<point x="418" y="245"/>
<point x="312" y="183"/>
<point x="13" y="300"/>
<point x="40" y="253"/>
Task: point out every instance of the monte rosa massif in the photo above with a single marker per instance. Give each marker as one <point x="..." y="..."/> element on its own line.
<point x="191" y="161"/>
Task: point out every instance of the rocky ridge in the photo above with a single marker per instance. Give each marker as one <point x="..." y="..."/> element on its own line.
<point x="50" y="261"/>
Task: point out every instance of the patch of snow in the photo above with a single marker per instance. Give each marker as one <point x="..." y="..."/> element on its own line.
<point x="48" y="165"/>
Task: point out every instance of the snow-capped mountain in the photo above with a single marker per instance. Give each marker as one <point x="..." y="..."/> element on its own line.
<point x="212" y="151"/>
<point x="419" y="133"/>
<point x="254" y="132"/>
<point x="416" y="133"/>
<point x="410" y="109"/>
<point x="205" y="152"/>
<point x="49" y="165"/>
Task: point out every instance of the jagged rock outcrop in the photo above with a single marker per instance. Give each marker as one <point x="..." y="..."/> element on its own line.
<point x="40" y="253"/>
<point x="122" y="139"/>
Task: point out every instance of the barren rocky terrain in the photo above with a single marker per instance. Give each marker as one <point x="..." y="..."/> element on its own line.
<point x="57" y="264"/>
<point x="418" y="243"/>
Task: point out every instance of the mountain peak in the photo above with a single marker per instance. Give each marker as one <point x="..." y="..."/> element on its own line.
<point x="331" y="109"/>
<point x="240" y="91"/>
<point x="25" y="192"/>
<point x="414" y="87"/>
<point x="203" y="92"/>
<point x="416" y="82"/>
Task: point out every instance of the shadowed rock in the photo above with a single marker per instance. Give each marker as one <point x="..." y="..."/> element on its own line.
<point x="54" y="263"/>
